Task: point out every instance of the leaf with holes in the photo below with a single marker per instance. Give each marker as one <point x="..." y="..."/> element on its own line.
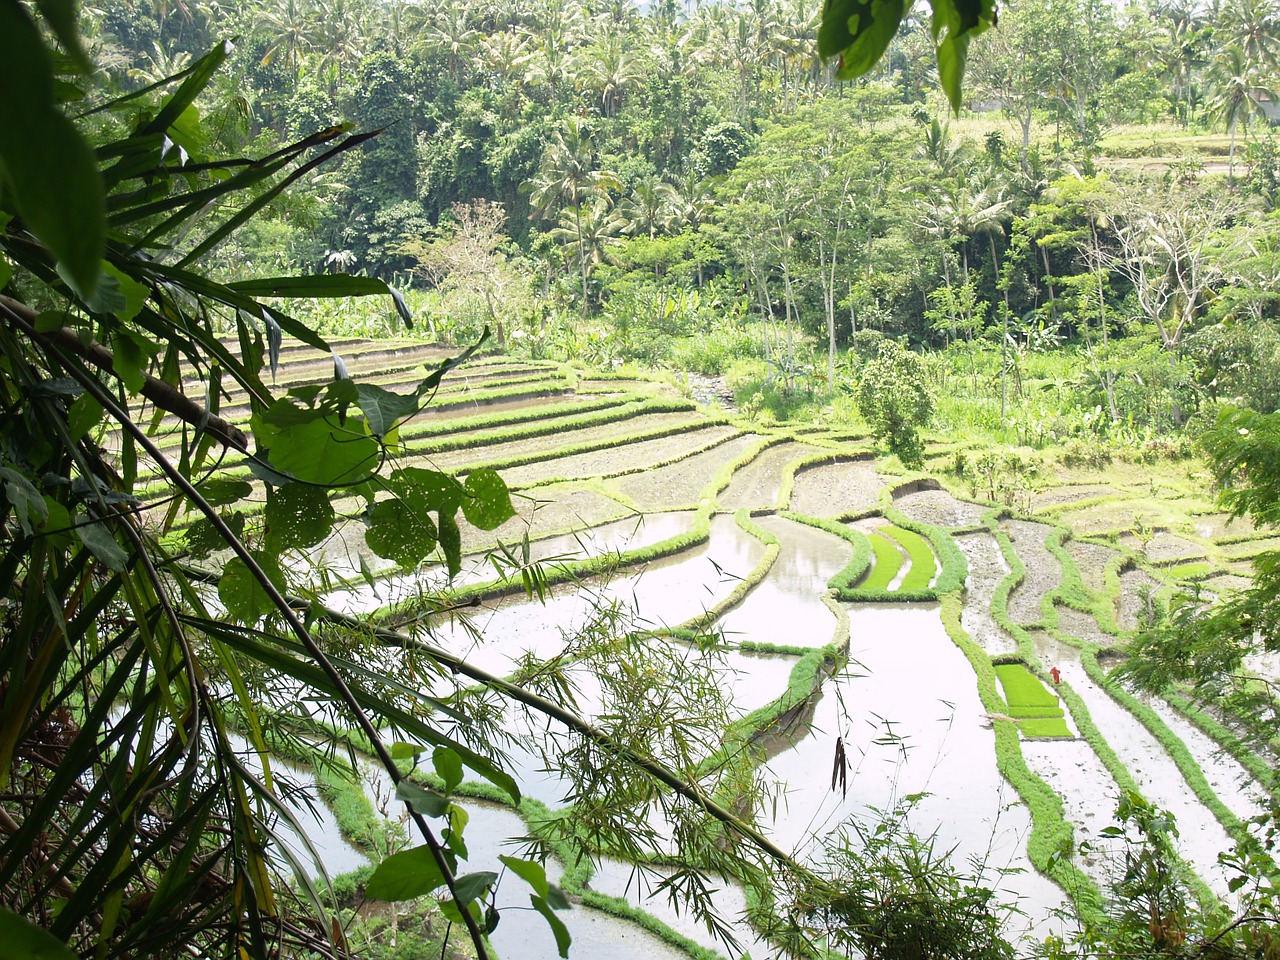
<point x="318" y="451"/>
<point x="488" y="502"/>
<point x="244" y="597"/>
<point x="297" y="516"/>
<point x="399" y="532"/>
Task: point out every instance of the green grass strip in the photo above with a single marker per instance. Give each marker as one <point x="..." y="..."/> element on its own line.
<point x="628" y="471"/>
<point x="923" y="563"/>
<point x="1080" y="714"/>
<point x="816" y="460"/>
<point x="888" y="561"/>
<point x="725" y="474"/>
<point x="545" y="425"/>
<point x="566" y="571"/>
<point x="954" y="566"/>
<point x="747" y="583"/>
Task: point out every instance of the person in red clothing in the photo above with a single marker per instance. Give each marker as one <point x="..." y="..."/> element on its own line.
<point x="1056" y="674"/>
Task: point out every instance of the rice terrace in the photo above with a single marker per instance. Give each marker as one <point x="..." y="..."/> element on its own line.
<point x="947" y="654"/>
<point x="534" y="479"/>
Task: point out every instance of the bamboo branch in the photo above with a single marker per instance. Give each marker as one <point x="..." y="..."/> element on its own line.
<point x="164" y="395"/>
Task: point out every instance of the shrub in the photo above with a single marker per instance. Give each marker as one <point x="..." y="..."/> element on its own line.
<point x="894" y="399"/>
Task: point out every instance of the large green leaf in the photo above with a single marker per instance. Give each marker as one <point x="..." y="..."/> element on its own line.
<point x="450" y="542"/>
<point x="61" y="17"/>
<point x="319" y="451"/>
<point x="383" y="409"/>
<point x="429" y="489"/>
<point x="49" y="168"/>
<point x="297" y="515"/>
<point x="859" y="32"/>
<point x="20" y="939"/>
<point x="244" y="597"/>
<point x="221" y="491"/>
<point x="474" y="885"/>
<point x="400" y="532"/>
<point x="531" y="872"/>
<point x="406" y="875"/>
<point x="488" y="502"/>
<point x="448" y="767"/>
<point x="96" y="535"/>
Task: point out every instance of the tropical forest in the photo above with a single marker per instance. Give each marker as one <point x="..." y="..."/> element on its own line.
<point x="613" y="480"/>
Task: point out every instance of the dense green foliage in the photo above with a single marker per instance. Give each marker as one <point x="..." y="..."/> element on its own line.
<point x="685" y="190"/>
<point x="694" y="190"/>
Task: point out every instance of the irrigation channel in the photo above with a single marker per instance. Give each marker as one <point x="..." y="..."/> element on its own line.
<point x="901" y="614"/>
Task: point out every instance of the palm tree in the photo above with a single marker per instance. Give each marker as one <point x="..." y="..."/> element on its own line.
<point x="587" y="233"/>
<point x="453" y="37"/>
<point x="648" y="209"/>
<point x="1238" y="93"/>
<point x="1254" y="27"/>
<point x="569" y="176"/>
<point x="339" y="37"/>
<point x="611" y="70"/>
<point x="292" y="25"/>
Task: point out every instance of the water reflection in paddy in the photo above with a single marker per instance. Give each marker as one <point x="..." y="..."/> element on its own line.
<point x="912" y="723"/>
<point x="786" y="607"/>
<point x="630" y="533"/>
<point x="666" y="592"/>
<point x="522" y="933"/>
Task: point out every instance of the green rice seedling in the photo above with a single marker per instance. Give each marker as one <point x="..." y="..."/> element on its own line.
<point x="1022" y="688"/>
<point x="1031" y="713"/>
<point x="923" y="563"/>
<point x="887" y="563"/>
<point x="1190" y="571"/>
<point x="1044" y="727"/>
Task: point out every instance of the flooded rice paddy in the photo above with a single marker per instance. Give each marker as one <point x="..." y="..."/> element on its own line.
<point x="899" y="691"/>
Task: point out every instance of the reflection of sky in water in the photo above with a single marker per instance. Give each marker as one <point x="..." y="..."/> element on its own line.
<point x="630" y="533"/>
<point x="523" y="933"/>
<point x="911" y="722"/>
<point x="297" y="789"/>
<point x="680" y="587"/>
<point x="785" y="608"/>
